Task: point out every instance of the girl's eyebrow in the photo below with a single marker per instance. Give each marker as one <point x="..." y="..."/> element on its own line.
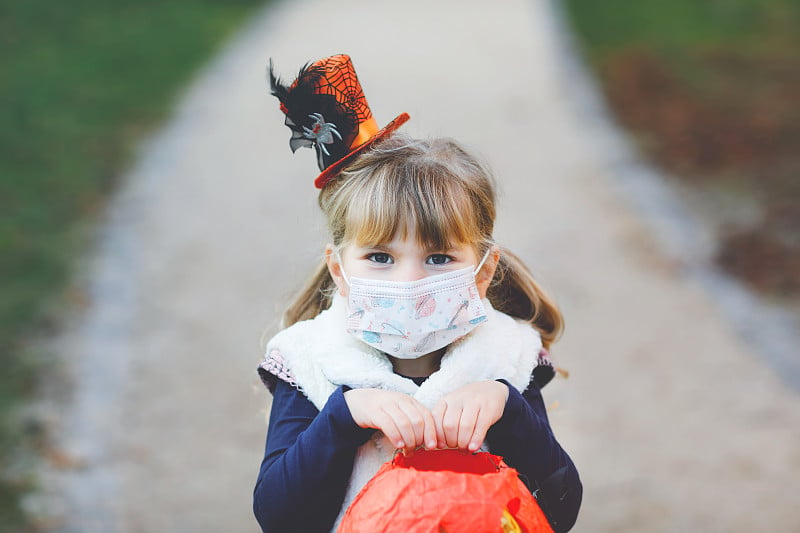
<point x="387" y="247"/>
<point x="437" y="250"/>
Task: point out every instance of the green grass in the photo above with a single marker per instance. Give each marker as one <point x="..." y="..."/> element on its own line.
<point x="680" y="27"/>
<point x="80" y="83"/>
<point x="714" y="48"/>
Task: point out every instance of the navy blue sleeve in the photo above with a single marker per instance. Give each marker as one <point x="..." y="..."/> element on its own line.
<point x="524" y="439"/>
<point x="307" y="462"/>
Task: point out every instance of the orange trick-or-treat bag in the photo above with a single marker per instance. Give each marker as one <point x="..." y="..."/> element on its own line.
<point x="433" y="491"/>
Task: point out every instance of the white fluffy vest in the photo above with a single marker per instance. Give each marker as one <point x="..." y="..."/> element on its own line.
<point x="318" y="355"/>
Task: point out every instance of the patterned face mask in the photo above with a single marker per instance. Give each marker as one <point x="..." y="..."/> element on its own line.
<point x="408" y="319"/>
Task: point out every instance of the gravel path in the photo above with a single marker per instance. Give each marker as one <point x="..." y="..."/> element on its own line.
<point x="675" y="423"/>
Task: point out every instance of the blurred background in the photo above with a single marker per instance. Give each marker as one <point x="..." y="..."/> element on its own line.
<point x="81" y="84"/>
<point x="708" y="92"/>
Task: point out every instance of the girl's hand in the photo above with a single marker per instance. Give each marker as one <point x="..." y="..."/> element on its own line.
<point x="465" y="415"/>
<point x="406" y="422"/>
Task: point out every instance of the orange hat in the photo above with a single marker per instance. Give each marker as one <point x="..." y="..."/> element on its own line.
<point x="325" y="108"/>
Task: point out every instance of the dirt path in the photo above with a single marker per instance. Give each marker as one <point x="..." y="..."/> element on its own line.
<point x="674" y="422"/>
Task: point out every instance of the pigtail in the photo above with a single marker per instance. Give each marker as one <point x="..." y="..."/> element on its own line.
<point x="312" y="299"/>
<point x="515" y="292"/>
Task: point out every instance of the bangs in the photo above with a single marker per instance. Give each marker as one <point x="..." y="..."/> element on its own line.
<point x="429" y="191"/>
<point x="427" y="201"/>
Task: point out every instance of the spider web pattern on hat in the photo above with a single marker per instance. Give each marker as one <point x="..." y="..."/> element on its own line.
<point x="342" y="83"/>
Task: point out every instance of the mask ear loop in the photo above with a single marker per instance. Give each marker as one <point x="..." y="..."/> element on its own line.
<point x="483" y="261"/>
<point x="341" y="267"/>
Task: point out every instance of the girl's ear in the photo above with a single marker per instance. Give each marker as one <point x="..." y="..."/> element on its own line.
<point x="484" y="276"/>
<point x="335" y="268"/>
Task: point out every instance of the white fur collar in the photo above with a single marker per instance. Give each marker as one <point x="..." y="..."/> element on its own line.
<point x="320" y="356"/>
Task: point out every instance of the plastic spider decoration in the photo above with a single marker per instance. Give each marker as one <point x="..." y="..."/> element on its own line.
<point x="321" y="132"/>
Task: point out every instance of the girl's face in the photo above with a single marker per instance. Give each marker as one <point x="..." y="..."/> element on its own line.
<point x="404" y="259"/>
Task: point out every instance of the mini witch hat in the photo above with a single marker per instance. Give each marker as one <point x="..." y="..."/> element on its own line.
<point x="325" y="108"/>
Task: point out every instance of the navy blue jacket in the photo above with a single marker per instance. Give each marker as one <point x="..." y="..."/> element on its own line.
<point x="310" y="453"/>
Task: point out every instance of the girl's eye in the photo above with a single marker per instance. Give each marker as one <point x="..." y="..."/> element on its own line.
<point x="439" y="259"/>
<point x="380" y="257"/>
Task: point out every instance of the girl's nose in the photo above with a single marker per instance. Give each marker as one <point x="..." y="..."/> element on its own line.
<point x="412" y="272"/>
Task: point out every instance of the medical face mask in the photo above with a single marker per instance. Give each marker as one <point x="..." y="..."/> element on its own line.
<point x="408" y="319"/>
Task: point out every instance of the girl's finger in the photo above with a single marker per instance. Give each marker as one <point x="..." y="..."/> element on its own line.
<point x="412" y="415"/>
<point x="429" y="430"/>
<point x="482" y="425"/>
<point x="450" y="423"/>
<point x="404" y="426"/>
<point x="466" y="425"/>
<point x="438" y="413"/>
<point x="385" y="422"/>
<point x="427" y="426"/>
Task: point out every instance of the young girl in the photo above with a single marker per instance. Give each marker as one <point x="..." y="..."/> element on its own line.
<point x="416" y="330"/>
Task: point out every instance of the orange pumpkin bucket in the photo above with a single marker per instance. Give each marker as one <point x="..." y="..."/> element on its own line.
<point x="433" y="491"/>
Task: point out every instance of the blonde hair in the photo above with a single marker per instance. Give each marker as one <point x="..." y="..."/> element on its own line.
<point x="447" y="196"/>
